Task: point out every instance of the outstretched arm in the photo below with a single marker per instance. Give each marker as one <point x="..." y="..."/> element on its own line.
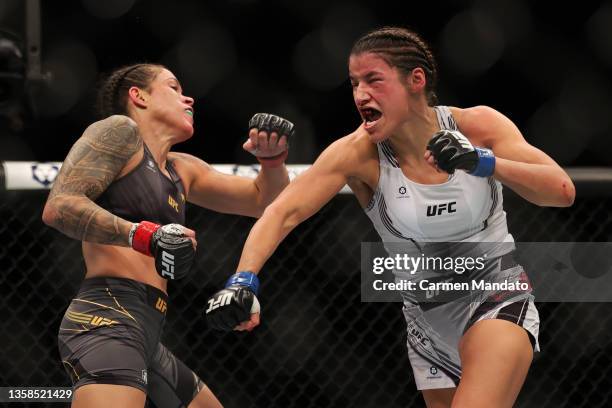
<point x="92" y="164"/>
<point x="230" y="194"/>
<point x="236" y="306"/>
<point x="300" y="200"/>
<point x="268" y="141"/>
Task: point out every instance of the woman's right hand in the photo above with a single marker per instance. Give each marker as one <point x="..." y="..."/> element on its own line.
<point x="172" y="245"/>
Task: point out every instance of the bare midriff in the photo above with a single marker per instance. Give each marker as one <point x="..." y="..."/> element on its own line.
<point x="121" y="262"/>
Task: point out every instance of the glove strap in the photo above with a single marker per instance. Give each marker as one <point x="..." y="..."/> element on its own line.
<point x="274" y="161"/>
<point x="486" y="163"/>
<point x="141" y="240"/>
<point x="248" y="279"/>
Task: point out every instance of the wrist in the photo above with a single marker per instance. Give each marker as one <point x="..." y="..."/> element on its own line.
<point x="274" y="161"/>
<point x="486" y="163"/>
<point x="246" y="278"/>
<point x="141" y="235"/>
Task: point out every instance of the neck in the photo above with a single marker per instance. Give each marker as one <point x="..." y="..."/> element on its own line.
<point x="158" y="139"/>
<point x="410" y="141"/>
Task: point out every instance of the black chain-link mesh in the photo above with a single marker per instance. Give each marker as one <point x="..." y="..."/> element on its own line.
<point x="318" y="345"/>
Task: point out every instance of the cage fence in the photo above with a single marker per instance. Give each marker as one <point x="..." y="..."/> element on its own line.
<point x="318" y="344"/>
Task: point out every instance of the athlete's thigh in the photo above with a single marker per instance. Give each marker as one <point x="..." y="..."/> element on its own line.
<point x="440" y="398"/>
<point x="98" y="344"/>
<point x="495" y="358"/>
<point x="108" y="395"/>
<point x="205" y="399"/>
<point x="173" y="384"/>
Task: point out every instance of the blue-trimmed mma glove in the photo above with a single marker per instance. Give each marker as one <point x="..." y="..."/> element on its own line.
<point x="233" y="305"/>
<point x="270" y="123"/>
<point x="452" y="151"/>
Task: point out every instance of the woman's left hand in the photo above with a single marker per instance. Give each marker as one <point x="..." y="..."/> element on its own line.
<point x="268" y="135"/>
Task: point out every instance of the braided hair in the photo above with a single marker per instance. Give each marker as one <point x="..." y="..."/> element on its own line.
<point x="113" y="93"/>
<point x="403" y="49"/>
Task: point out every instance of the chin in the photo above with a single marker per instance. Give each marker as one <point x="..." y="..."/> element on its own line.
<point x="377" y="135"/>
<point x="186" y="133"/>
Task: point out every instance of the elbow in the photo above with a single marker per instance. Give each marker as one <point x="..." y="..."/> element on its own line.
<point x="49" y="214"/>
<point x="563" y="196"/>
<point x="258" y="210"/>
<point x="261" y="202"/>
<point x="568" y="193"/>
<point x="54" y="209"/>
<point x="268" y="195"/>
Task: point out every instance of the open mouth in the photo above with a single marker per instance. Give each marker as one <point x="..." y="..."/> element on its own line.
<point x="370" y="116"/>
<point x="189" y="111"/>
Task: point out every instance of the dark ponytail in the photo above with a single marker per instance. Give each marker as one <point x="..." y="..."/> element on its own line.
<point x="113" y="93"/>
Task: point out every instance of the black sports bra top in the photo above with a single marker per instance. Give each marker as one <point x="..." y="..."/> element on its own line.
<point x="146" y="194"/>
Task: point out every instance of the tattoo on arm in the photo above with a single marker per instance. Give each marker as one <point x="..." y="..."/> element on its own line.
<point x="90" y="167"/>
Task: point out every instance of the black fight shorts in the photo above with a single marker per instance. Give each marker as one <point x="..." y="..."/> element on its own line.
<point x="110" y="334"/>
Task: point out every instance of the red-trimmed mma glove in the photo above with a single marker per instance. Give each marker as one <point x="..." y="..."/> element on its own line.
<point x="233" y="305"/>
<point x="173" y="251"/>
<point x="270" y="123"/>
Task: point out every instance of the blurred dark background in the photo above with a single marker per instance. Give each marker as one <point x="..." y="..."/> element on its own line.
<point x="548" y="67"/>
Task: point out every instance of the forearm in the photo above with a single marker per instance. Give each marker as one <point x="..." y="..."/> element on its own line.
<point x="540" y="184"/>
<point x="82" y="219"/>
<point x="265" y="236"/>
<point x="269" y="183"/>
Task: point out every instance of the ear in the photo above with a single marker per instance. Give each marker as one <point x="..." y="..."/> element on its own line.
<point x="138" y="97"/>
<point x="416" y="80"/>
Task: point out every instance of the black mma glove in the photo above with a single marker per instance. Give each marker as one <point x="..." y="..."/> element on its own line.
<point x="272" y="123"/>
<point x="233" y="305"/>
<point x="173" y="251"/>
<point x="452" y="150"/>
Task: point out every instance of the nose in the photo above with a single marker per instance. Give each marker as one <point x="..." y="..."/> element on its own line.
<point x="189" y="100"/>
<point x="360" y="95"/>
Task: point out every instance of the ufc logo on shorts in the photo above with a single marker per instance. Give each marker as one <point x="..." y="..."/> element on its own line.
<point x="222" y="300"/>
<point x="167" y="265"/>
<point x="439" y="209"/>
<point x="416" y="336"/>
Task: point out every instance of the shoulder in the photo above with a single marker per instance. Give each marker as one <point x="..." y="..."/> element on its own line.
<point x="117" y="134"/>
<point x="354" y="156"/>
<point x="353" y="149"/>
<point x="188" y="165"/>
<point x="186" y="159"/>
<point x="114" y="124"/>
<point x="482" y="124"/>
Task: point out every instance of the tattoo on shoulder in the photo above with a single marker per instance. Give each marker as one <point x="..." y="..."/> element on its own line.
<point x="92" y="164"/>
<point x="98" y="156"/>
